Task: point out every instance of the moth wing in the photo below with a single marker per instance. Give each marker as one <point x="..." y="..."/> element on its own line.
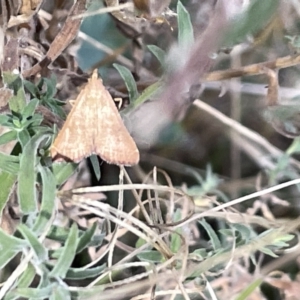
<point x="113" y="142"/>
<point x="75" y="140"/>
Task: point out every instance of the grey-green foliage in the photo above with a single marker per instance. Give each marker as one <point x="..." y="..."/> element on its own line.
<point x="29" y="171"/>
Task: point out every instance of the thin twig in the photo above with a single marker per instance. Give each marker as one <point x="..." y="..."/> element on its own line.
<point x="240" y="200"/>
<point x="254" y="69"/>
<point x="244" y="131"/>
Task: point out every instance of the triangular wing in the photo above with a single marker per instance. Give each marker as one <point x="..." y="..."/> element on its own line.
<point x="75" y="140"/>
<point x="113" y="143"/>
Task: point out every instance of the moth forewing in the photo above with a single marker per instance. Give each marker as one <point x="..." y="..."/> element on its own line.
<point x="74" y="140"/>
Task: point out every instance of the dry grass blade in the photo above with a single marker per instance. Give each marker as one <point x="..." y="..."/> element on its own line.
<point x="62" y="40"/>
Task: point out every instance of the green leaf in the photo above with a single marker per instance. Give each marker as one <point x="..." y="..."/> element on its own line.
<point x="40" y="293"/>
<point x="97" y="240"/>
<point x="5" y="120"/>
<point x="227" y="232"/>
<point x="245" y="294"/>
<point x="51" y="87"/>
<point x="27" y="277"/>
<point x="45" y="281"/>
<point x="29" y="109"/>
<point x="176" y="236"/>
<point x="82" y="273"/>
<point x="140" y="242"/>
<point x="9" y="163"/>
<point x="65" y="260"/>
<point x="294" y="147"/>
<point x="212" y="235"/>
<point x="60" y="234"/>
<point x="158" y="53"/>
<point x="294" y="41"/>
<point x="27" y="175"/>
<point x="40" y="84"/>
<point x="18" y="101"/>
<point x="151" y="256"/>
<point x="31" y="88"/>
<point x="6" y="256"/>
<point x="7" y="184"/>
<point x="48" y="200"/>
<point x="129" y="82"/>
<point x="201" y="253"/>
<point x="8" y="137"/>
<point x="282" y="162"/>
<point x="149" y="93"/>
<point x="33" y="121"/>
<point x="12" y="246"/>
<point x="185" y="28"/>
<point x="39" y="250"/>
<point x="96" y="167"/>
<point x="23" y="137"/>
<point x="244" y="230"/>
<point x="268" y="252"/>
<point x="175" y="241"/>
<point x="285" y="238"/>
<point x="16" y="122"/>
<point x="60" y="293"/>
<point x="62" y="171"/>
<point x="86" y="238"/>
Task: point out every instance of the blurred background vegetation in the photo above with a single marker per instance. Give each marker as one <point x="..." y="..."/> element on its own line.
<point x="210" y="94"/>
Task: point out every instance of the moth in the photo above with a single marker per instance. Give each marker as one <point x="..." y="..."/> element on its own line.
<point x="94" y="126"/>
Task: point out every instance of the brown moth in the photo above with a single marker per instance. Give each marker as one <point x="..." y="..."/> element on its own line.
<point x="94" y="126"/>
